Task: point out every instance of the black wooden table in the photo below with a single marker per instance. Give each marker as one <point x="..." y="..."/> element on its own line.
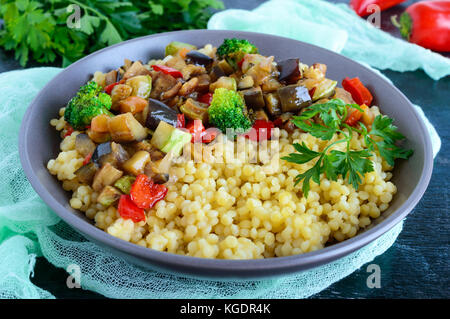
<point x="417" y="265"/>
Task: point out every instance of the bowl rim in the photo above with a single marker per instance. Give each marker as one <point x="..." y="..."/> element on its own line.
<point x="248" y="268"/>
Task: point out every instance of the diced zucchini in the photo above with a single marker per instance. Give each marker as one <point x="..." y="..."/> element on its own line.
<point x="324" y="89"/>
<point x="124" y="183"/>
<point x="161" y="134"/>
<point x="141" y="85"/>
<point x="108" y="196"/>
<point x="173" y="47"/>
<point x="106" y="176"/>
<point x="177" y="140"/>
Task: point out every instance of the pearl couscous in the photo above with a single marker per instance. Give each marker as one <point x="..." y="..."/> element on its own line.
<point x="231" y="198"/>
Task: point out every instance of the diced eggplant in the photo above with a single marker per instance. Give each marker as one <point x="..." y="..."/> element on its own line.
<point x="152" y="172"/>
<point x="203" y="83"/>
<point x="191" y="70"/>
<point x="141" y="85"/>
<point x="293" y="98"/>
<point x="270" y="84"/>
<point x="124" y="183"/>
<point x="136" y="69"/>
<point x="261" y="115"/>
<point x="321" y="67"/>
<point x="136" y="164"/>
<point x="245" y="83"/>
<point x="289" y="71"/>
<point x="108" y="196"/>
<point x="188" y="87"/>
<point x="111" y="77"/>
<point x="98" y="137"/>
<point x="109" y="152"/>
<point x="173" y="47"/>
<point x="199" y="58"/>
<point x="119" y="92"/>
<point x="158" y="111"/>
<point x="106" y="176"/>
<point x="273" y="105"/>
<point x="216" y="73"/>
<point x="162" y="83"/>
<point x="85" y="174"/>
<point x="84" y="145"/>
<point x="225" y="66"/>
<point x="224" y="82"/>
<point x="125" y="128"/>
<point x="172" y="92"/>
<point x="195" y="110"/>
<point x="254" y="98"/>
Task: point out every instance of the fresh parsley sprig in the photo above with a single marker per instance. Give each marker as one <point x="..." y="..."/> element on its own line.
<point x="351" y="164"/>
<point x="38" y="29"/>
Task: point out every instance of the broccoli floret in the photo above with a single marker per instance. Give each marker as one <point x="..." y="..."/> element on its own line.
<point x="233" y="50"/>
<point x="86" y="104"/>
<point x="227" y="111"/>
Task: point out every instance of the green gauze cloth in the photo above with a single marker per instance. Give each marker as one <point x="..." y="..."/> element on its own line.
<point x="335" y="27"/>
<point x="28" y="228"/>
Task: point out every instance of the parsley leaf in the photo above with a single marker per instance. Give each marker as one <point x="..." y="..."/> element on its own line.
<point x="351" y="165"/>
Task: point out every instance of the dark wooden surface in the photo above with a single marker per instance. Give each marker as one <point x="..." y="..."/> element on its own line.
<point x="417" y="265"/>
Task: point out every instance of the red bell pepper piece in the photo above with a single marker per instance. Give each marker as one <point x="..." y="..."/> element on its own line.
<point x="261" y="130"/>
<point x="363" y="7"/>
<point x="108" y="89"/>
<point x="205" y="98"/>
<point x="209" y="135"/>
<point x="69" y="131"/>
<point x="167" y="70"/>
<point x="128" y="210"/>
<point x="145" y="193"/>
<point x="181" y="121"/>
<point x="240" y="63"/>
<point x="353" y="117"/>
<point x="87" y="159"/>
<point x="427" y="23"/>
<point x="196" y="129"/>
<point x="359" y="92"/>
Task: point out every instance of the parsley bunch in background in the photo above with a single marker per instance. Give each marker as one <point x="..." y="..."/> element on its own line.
<point x="38" y="30"/>
<point x="351" y="164"/>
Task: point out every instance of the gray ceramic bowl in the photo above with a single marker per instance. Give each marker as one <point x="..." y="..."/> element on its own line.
<point x="39" y="142"/>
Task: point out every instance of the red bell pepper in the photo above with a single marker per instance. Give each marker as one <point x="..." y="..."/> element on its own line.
<point x="261" y="130"/>
<point x="196" y="129"/>
<point x="200" y="134"/>
<point x="108" y="89"/>
<point x="181" y="121"/>
<point x="210" y="134"/>
<point x="167" y="70"/>
<point x="427" y="23"/>
<point x="128" y="210"/>
<point x="205" y="98"/>
<point x="87" y="159"/>
<point x="69" y="131"/>
<point x="359" y="92"/>
<point x="361" y="7"/>
<point x="145" y="193"/>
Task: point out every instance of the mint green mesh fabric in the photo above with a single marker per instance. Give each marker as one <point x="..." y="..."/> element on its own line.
<point x="337" y="28"/>
<point x="28" y="229"/>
